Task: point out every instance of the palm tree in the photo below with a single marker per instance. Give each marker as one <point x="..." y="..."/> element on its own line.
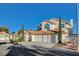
<point x="60" y="32"/>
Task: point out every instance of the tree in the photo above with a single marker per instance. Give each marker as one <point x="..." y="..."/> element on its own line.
<point x="5" y="29"/>
<point x="21" y="34"/>
<point x="60" y="32"/>
<point x="13" y="32"/>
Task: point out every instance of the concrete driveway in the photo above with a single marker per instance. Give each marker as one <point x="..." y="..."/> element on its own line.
<point x="34" y="49"/>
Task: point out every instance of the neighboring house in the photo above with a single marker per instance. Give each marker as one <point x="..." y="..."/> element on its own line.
<point x="4" y="37"/>
<point x="12" y="36"/>
<point x="19" y="35"/>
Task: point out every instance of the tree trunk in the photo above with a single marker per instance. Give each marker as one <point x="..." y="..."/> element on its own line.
<point x="60" y="32"/>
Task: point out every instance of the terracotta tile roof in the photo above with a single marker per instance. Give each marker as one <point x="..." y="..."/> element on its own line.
<point x="40" y="32"/>
<point x="3" y="33"/>
<point x="56" y="30"/>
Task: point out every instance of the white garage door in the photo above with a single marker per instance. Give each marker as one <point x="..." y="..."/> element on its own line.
<point x="54" y="39"/>
<point x="49" y="38"/>
<point x="38" y="38"/>
<point x="46" y="38"/>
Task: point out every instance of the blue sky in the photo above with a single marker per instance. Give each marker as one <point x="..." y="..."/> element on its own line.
<point x="78" y="15"/>
<point x="31" y="15"/>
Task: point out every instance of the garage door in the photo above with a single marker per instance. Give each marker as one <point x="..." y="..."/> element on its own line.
<point x="54" y="38"/>
<point x="46" y="38"/>
<point x="38" y="38"/>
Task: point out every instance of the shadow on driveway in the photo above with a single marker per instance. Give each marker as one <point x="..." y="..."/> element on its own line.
<point x="24" y="51"/>
<point x="21" y="50"/>
<point x="1" y="43"/>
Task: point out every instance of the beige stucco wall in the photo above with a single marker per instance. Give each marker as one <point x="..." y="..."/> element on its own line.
<point x="4" y="37"/>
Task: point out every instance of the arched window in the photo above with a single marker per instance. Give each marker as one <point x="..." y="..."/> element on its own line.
<point x="62" y="25"/>
<point x="47" y="26"/>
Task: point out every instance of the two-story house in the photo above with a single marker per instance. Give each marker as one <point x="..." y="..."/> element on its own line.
<point x="48" y="31"/>
<point x="52" y="25"/>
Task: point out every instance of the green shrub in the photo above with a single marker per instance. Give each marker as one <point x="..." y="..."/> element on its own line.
<point x="14" y="41"/>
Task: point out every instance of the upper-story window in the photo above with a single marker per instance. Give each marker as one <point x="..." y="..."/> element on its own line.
<point x="62" y="25"/>
<point x="47" y="26"/>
